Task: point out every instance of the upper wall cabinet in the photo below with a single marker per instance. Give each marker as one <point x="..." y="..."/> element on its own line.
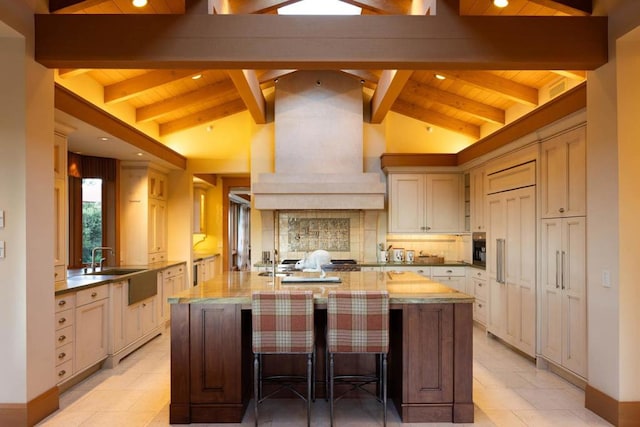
<point x="563" y="175"/>
<point x="477" y="198"/>
<point x="199" y="209"/>
<point x="426" y="203"/>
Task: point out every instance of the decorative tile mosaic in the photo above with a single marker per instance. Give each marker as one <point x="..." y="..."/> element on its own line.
<point x="309" y="234"/>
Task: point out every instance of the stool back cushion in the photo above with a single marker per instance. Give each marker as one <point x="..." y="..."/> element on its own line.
<point x="358" y="322"/>
<point x="282" y="321"/>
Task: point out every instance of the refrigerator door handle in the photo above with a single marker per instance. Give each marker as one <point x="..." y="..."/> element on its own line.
<point x="500" y="260"/>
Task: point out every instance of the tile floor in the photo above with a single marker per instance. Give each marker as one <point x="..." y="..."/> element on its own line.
<point x="508" y="391"/>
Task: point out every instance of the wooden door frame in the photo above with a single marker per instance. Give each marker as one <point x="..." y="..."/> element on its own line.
<point x="227" y="185"/>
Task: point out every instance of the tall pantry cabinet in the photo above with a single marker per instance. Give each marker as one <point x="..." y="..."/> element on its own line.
<point x="563" y="322"/>
<point x="511" y="255"/>
<point x="143" y="214"/>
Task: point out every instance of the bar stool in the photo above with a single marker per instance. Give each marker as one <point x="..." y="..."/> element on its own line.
<point x="282" y="323"/>
<point x="358" y="322"/>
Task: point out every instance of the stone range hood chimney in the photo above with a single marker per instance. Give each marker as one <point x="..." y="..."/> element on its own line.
<point x="318" y="147"/>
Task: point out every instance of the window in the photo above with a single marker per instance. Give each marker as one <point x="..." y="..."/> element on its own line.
<point x="91" y="216"/>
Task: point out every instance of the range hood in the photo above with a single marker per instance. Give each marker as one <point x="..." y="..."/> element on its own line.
<point x="318" y="147"/>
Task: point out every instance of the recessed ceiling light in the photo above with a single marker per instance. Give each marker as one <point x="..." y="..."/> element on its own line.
<point x="139" y="3"/>
<point x="196" y="77"/>
<point x="501" y="3"/>
<point x="439" y="76"/>
<point x="103" y="138"/>
<point x="139" y="154"/>
<point x="209" y="128"/>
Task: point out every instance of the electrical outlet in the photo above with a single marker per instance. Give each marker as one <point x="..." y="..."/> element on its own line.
<point x="2" y="254"/>
<point x="606" y="278"/>
<point x="1" y="218"/>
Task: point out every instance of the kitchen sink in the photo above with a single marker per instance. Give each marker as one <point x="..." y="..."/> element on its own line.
<point x="115" y="272"/>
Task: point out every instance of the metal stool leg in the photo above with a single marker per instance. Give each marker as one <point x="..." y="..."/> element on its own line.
<point x="384" y="388"/>
<point x="256" y="380"/>
<point x="331" y="388"/>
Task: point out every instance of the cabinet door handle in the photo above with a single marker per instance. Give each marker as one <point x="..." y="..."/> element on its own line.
<point x="479" y="285"/>
<point x="480" y="305"/>
<point x="561" y="210"/>
<point x="62" y="338"/>
<point x="62" y="355"/>
<point x="500" y="260"/>
<point x="94" y="294"/>
<point x="62" y="373"/>
<point x="61" y="303"/>
<point x="62" y="320"/>
<point x="557" y="267"/>
<point x="562" y="276"/>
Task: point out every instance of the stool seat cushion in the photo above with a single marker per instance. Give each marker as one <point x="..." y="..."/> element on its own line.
<point x="282" y="322"/>
<point x="358" y="322"/>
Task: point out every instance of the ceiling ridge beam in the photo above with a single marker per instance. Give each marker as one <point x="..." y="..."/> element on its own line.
<point x="123" y="90"/>
<point x="397" y="7"/>
<point x="469" y="106"/>
<point x="487" y="81"/>
<point x="390" y="85"/>
<point x="189" y="99"/>
<point x="254" y="6"/>
<point x="72" y="6"/>
<point x="436" y="119"/>
<point x="571" y="7"/>
<point x="248" y="86"/>
<point x="572" y="74"/>
<point x="321" y="42"/>
<point x="202" y="117"/>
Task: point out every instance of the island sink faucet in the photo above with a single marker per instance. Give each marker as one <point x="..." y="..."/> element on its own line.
<point x="93" y="256"/>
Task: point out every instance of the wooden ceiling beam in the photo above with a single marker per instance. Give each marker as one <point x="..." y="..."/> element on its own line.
<point x="189" y="99"/>
<point x="72" y="6"/>
<point x="571" y="7"/>
<point x="391" y="7"/>
<point x="390" y="85"/>
<point x="466" y="105"/>
<point x="485" y="80"/>
<point x="366" y="75"/>
<point x="574" y="75"/>
<point x="121" y="91"/>
<point x="273" y="75"/>
<point x="436" y="119"/>
<point x="248" y="86"/>
<point x="202" y="117"/>
<point x="65" y="73"/>
<point x="321" y="42"/>
<point x="255" y="6"/>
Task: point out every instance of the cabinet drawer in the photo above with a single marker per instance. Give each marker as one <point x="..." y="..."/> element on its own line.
<point x="65" y="302"/>
<point x="64" y="336"/>
<point x="86" y="296"/>
<point x="480" y="311"/>
<point x="64" y="319"/>
<point x="173" y="271"/>
<point x="59" y="273"/>
<point x="476" y="273"/>
<point x="480" y="288"/>
<point x="447" y="271"/>
<point x="64" y="354"/>
<point x="64" y="371"/>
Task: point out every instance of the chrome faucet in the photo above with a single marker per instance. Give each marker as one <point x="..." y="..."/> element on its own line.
<point x="93" y="256"/>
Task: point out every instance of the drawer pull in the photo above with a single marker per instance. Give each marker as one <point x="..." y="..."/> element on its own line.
<point x="62" y="320"/>
<point x="480" y="305"/>
<point x="61" y="303"/>
<point x="479" y="274"/>
<point x="449" y="271"/>
<point x="62" y="373"/>
<point x="62" y="338"/>
<point x="480" y="285"/>
<point x="62" y="355"/>
<point x="94" y="294"/>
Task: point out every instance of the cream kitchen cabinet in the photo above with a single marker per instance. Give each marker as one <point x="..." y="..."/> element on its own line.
<point x="171" y="281"/>
<point x="143" y="202"/>
<point x="511" y="267"/>
<point x="431" y="202"/>
<point x="65" y="333"/>
<point x="60" y="205"/>
<point x="563" y="311"/>
<point x="477" y="191"/>
<point x="563" y="175"/>
<point x="92" y="327"/>
<point x="453" y="277"/>
<point x="199" y="209"/>
<point x="477" y="286"/>
<point x="400" y="268"/>
<point x="141" y="319"/>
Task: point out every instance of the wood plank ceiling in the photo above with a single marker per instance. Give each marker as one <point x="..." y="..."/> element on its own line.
<point x="179" y="99"/>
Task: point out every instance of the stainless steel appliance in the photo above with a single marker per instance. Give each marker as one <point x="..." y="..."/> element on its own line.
<point x="479" y="249"/>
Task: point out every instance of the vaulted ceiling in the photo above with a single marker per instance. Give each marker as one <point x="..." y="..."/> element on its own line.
<point x="177" y="93"/>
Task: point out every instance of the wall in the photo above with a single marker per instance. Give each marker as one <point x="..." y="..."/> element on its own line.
<point x="26" y="162"/>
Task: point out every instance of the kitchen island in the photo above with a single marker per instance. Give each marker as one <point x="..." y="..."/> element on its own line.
<point x="430" y="356"/>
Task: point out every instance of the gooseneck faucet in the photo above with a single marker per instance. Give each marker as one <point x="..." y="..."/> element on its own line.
<point x="93" y="256"/>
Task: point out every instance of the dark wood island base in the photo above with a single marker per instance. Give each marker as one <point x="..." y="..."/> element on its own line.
<point x="430" y="358"/>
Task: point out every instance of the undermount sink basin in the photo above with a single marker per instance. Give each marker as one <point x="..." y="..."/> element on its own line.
<point x="270" y="274"/>
<point x="115" y="272"/>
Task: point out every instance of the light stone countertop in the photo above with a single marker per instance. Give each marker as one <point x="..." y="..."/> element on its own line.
<point x="403" y="287"/>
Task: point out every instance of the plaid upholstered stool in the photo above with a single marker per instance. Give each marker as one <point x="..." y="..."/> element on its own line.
<point x="282" y="323"/>
<point x="358" y="322"/>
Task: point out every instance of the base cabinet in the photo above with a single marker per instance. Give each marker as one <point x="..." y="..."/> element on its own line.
<point x="92" y="326"/>
<point x="430" y="362"/>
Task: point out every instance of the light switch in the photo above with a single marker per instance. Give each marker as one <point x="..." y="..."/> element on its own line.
<point x="1" y="248"/>
<point x="606" y="278"/>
